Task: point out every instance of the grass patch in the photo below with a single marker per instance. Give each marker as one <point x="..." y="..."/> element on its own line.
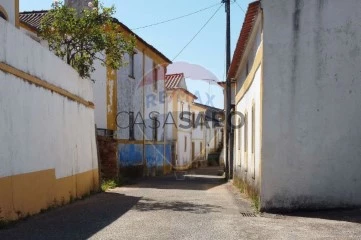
<point x="108" y="184"/>
<point x="113" y="183"/>
<point x="249" y="191"/>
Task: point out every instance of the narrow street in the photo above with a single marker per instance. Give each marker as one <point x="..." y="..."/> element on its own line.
<point x="202" y="206"/>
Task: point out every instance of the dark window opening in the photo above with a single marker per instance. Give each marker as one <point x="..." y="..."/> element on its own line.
<point x="131" y="65"/>
<point x="131" y="126"/>
<point x="155" y="132"/>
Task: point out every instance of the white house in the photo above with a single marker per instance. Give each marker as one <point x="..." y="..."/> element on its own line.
<point x="178" y="125"/>
<point x="207" y="134"/>
<point x="298" y="78"/>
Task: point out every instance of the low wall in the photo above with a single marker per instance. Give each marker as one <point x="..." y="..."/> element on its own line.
<point x="48" y="152"/>
<point x="156" y="159"/>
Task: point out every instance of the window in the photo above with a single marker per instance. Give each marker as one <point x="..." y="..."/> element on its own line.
<point x="201" y="147"/>
<point x="253" y="129"/>
<point x="194" y="120"/>
<point x="131" y="65"/>
<point x="155" y="77"/>
<point x="182" y="112"/>
<point x="155" y="132"/>
<point x="253" y="141"/>
<point x="246" y="141"/>
<point x="215" y="138"/>
<point x="185" y="143"/>
<point x="131" y="126"/>
<point x="239" y="135"/>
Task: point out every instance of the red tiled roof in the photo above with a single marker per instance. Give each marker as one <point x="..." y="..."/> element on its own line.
<point x="172" y="83"/>
<point x="33" y="19"/>
<point x="249" y="21"/>
<point x="173" y="80"/>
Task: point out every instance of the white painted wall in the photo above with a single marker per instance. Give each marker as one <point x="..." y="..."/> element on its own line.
<point x="100" y="94"/>
<point x="41" y="130"/>
<point x="198" y="135"/>
<point x="168" y="128"/>
<point x="247" y="166"/>
<point x="184" y="148"/>
<point x="311" y="132"/>
<point x="9" y="6"/>
<point x="154" y="99"/>
<point x="130" y="97"/>
<point x="184" y="154"/>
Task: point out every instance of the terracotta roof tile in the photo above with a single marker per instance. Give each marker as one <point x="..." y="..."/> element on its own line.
<point x="173" y="80"/>
<point x="249" y="21"/>
<point x="32" y="19"/>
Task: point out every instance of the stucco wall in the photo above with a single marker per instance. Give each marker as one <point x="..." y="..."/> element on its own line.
<point x="311" y="134"/>
<point x="100" y="93"/>
<point x="130" y="95"/>
<point x="9" y="6"/>
<point x="247" y="164"/>
<point x="48" y="151"/>
<point x="198" y="133"/>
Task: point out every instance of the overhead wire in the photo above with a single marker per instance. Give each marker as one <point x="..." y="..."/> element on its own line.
<point x="200" y="30"/>
<point x="240" y="6"/>
<point x="176" y="18"/>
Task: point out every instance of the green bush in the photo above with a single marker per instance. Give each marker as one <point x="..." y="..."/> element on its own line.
<point x="109" y="184"/>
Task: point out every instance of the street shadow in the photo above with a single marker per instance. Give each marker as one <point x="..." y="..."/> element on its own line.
<point x="188" y="182"/>
<point x="79" y="220"/>
<point x="146" y="205"/>
<point x="198" y="179"/>
<point x="346" y="215"/>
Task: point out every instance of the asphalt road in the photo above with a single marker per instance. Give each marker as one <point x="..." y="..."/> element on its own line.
<point x="199" y="206"/>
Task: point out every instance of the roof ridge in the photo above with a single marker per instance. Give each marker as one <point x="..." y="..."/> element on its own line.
<point x="243" y="39"/>
<point x="174" y="74"/>
<point x="34" y="11"/>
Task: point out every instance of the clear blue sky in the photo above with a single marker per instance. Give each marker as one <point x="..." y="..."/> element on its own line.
<point x="207" y="50"/>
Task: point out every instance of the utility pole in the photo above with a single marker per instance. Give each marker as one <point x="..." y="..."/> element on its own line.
<point x="229" y="148"/>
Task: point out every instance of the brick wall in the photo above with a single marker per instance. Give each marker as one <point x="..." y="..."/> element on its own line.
<point x="108" y="157"/>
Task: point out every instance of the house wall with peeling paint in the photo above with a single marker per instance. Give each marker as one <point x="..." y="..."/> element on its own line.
<point x="138" y="95"/>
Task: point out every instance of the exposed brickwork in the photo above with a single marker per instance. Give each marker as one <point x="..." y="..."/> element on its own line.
<point x="108" y="157"/>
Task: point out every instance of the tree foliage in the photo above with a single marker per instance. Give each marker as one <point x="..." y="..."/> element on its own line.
<point x="81" y="38"/>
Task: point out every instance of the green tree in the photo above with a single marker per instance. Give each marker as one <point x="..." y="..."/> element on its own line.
<point x="80" y="38"/>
